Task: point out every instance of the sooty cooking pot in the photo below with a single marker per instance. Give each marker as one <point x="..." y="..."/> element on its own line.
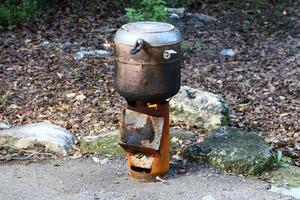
<point x="148" y="61"/>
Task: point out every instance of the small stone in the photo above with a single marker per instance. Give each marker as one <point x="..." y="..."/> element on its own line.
<point x="27" y="41"/>
<point x="70" y="95"/>
<point x="208" y="197"/>
<point x="77" y="154"/>
<point x="174" y="139"/>
<point x="282" y="98"/>
<point x="104" y="161"/>
<point x="160" y="179"/>
<point x="95" y="101"/>
<point x="80" y="97"/>
<point x="182" y="170"/>
<point x="95" y="159"/>
<point x="60" y="75"/>
<point x="4" y="126"/>
<point x="227" y="53"/>
<point x="176" y="157"/>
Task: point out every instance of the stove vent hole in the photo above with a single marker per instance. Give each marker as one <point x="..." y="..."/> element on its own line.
<point x="140" y="169"/>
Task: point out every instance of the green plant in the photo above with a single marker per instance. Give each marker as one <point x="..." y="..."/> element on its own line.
<point x="18" y="11"/>
<point x="15" y="11"/>
<point x="75" y="72"/>
<point x="134" y="15"/>
<point x="151" y="10"/>
<point x="181" y="3"/>
<point x="257" y="3"/>
<point x="246" y="25"/>
<point x="187" y="49"/>
<point x="279" y="160"/>
<point x="13" y="106"/>
<point x="3" y="95"/>
<point x="107" y="146"/>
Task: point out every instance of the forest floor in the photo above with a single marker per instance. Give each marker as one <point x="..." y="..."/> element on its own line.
<point x="41" y="81"/>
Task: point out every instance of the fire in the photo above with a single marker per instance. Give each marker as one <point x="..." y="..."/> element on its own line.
<point x="150" y="105"/>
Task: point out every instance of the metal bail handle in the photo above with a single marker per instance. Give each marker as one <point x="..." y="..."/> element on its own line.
<point x="137" y="47"/>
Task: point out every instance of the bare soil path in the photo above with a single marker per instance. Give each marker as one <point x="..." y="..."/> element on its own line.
<point x="85" y="179"/>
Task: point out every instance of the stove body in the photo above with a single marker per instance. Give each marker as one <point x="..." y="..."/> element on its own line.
<point x="148" y="72"/>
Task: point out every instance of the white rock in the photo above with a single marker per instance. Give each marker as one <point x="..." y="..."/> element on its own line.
<point x="70" y="95"/>
<point x="104" y="161"/>
<point x="4" y="126"/>
<point x="96" y="53"/>
<point x="227" y="53"/>
<point x="101" y="162"/>
<point x="161" y="180"/>
<point x="95" y="159"/>
<point x="53" y="137"/>
<point x="208" y="197"/>
<point x="201" y="108"/>
<point x="80" y="97"/>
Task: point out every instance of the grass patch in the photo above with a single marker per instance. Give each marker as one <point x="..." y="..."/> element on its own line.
<point x="19" y="11"/>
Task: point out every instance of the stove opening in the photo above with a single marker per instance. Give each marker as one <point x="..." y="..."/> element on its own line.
<point x="140" y="169"/>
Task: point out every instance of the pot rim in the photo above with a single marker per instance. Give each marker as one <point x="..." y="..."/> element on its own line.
<point x="165" y="27"/>
<point x="167" y="34"/>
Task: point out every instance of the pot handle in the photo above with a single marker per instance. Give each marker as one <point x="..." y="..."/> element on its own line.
<point x="168" y="53"/>
<point x="139" y="44"/>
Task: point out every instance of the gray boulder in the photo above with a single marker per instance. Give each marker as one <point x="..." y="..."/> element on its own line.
<point x="180" y="13"/>
<point x="204" y="109"/>
<point x="233" y="151"/>
<point x="176" y="12"/>
<point x="54" y="138"/>
<point x="201" y="18"/>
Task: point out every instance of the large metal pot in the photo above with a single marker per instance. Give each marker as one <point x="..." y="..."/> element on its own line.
<point x="148" y="61"/>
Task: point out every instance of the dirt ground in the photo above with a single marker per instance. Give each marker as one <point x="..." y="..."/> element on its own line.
<point x="85" y="179"/>
<point x="41" y="81"/>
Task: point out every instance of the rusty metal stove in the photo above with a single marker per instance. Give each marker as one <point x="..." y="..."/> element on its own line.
<point x="148" y="61"/>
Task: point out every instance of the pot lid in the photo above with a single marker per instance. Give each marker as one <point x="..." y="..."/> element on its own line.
<point x="154" y="33"/>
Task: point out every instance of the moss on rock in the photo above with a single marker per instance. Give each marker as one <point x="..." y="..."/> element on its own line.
<point x="107" y="145"/>
<point x="233" y="150"/>
<point x="288" y="177"/>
